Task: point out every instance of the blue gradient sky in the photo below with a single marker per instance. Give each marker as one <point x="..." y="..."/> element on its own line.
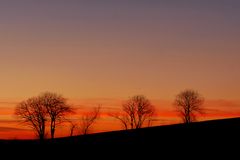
<point x="115" y="49"/>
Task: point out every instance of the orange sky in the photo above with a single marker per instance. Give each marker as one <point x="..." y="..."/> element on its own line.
<point x="104" y="52"/>
<point x="10" y="128"/>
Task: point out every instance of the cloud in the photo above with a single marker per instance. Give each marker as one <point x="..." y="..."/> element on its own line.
<point x="7" y="129"/>
<point x="8" y="121"/>
<point x="8" y="103"/>
<point x="208" y="110"/>
<point x="223" y="103"/>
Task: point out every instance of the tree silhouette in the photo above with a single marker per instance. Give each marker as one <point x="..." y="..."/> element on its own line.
<point x="123" y="118"/>
<point x="89" y="119"/>
<point x="33" y="114"/>
<point x="189" y="103"/>
<point x="73" y="126"/>
<point x="56" y="107"/>
<point x="136" y="111"/>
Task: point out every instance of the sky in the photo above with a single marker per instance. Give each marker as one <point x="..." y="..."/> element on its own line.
<point x="111" y="50"/>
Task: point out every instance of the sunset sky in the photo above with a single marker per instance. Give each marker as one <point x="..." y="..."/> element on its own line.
<point x="103" y="52"/>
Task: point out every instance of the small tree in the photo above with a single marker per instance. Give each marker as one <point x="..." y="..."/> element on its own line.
<point x="73" y="126"/>
<point x="89" y="119"/>
<point x="189" y="104"/>
<point x="56" y="107"/>
<point x="136" y="111"/>
<point x="33" y="114"/>
<point x="123" y="118"/>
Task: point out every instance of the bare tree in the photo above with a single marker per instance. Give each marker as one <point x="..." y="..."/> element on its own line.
<point x="33" y="114"/>
<point x="56" y="107"/>
<point x="150" y="122"/>
<point x="136" y="111"/>
<point x="73" y="126"/>
<point x="89" y="119"/>
<point x="189" y="103"/>
<point x="123" y="118"/>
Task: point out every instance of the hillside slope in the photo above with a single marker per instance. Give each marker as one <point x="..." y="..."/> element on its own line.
<point x="207" y="135"/>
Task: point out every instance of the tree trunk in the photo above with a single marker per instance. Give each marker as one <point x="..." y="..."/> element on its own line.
<point x="42" y="131"/>
<point x="71" y="133"/>
<point x="52" y="129"/>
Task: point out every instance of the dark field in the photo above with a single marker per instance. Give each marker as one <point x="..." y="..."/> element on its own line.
<point x="200" y="139"/>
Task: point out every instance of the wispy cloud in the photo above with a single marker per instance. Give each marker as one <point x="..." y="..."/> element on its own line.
<point x="8" y="129"/>
<point x="221" y="103"/>
<point x="8" y="102"/>
<point x="8" y="121"/>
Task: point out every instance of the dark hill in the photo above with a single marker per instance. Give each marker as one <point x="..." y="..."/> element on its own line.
<point x="216" y="134"/>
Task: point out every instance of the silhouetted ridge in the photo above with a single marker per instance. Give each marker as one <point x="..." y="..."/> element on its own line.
<point x="210" y="134"/>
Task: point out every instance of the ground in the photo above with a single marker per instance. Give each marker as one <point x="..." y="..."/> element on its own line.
<point x="200" y="138"/>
